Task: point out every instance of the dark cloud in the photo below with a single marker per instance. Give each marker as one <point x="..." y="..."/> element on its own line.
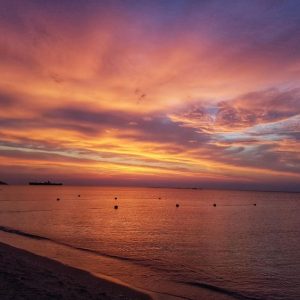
<point x="42" y="123"/>
<point x="269" y="156"/>
<point x="36" y="156"/>
<point x="252" y="109"/>
<point x="258" y="108"/>
<point x="6" y="100"/>
<point x="155" y="128"/>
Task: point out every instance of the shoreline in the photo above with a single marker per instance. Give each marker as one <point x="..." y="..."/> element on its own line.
<point x="24" y="275"/>
<point x="163" y="187"/>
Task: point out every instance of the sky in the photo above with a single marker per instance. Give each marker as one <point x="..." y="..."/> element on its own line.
<point x="151" y="93"/>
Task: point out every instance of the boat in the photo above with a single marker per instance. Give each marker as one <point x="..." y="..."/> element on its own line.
<point x="45" y="183"/>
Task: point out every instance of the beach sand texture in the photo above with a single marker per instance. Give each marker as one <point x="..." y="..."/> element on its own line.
<point x="24" y="275"/>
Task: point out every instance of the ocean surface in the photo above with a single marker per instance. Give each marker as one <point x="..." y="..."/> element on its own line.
<point x="234" y="250"/>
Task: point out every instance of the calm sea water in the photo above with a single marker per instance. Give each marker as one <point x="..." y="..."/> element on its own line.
<point x="197" y="251"/>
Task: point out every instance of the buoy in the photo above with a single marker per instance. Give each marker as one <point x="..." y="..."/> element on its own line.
<point x="116" y="207"/>
<point x="57" y="199"/>
<point x="116" y="198"/>
<point x="177" y="205"/>
<point x="159" y="198"/>
<point x="254" y="204"/>
<point x="215" y="204"/>
<point x="78" y="195"/>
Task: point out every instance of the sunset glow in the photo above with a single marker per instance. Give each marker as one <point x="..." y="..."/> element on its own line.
<point x="155" y="93"/>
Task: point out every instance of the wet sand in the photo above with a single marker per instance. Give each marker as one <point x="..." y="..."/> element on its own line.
<point x="24" y="275"/>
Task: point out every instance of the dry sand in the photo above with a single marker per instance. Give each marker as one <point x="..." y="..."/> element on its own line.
<point x="24" y="275"/>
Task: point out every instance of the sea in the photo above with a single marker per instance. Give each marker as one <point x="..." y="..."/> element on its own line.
<point x="215" y="244"/>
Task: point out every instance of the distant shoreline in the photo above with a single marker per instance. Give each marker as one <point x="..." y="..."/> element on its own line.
<point x="161" y="187"/>
<point x="26" y="275"/>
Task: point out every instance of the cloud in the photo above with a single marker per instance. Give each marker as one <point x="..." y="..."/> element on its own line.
<point x="191" y="89"/>
<point x="259" y="129"/>
<point x="244" y="112"/>
<point x="259" y="107"/>
<point x="157" y="128"/>
<point x="6" y="100"/>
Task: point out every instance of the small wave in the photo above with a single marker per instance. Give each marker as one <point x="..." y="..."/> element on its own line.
<point x="38" y="237"/>
<point x="105" y="254"/>
<point x="222" y="290"/>
<point x="25" y="211"/>
<point x="18" y="232"/>
<point x="204" y="285"/>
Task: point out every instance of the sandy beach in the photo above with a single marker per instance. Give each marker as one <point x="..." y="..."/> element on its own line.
<point x="24" y="275"/>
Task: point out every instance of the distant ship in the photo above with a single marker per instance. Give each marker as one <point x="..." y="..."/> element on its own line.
<point x="45" y="183"/>
<point x="3" y="183"/>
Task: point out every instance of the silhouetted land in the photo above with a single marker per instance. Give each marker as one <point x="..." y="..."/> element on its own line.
<point x="45" y="183"/>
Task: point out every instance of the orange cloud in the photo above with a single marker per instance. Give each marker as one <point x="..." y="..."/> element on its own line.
<point x="113" y="91"/>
